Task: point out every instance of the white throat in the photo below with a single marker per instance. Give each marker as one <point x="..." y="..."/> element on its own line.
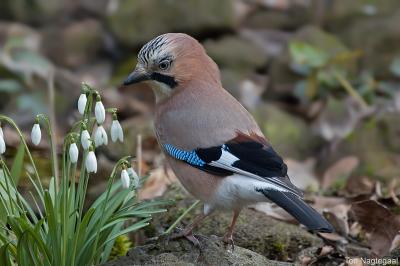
<point x="160" y="89"/>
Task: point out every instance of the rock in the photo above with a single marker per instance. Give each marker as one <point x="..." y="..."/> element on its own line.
<point x="236" y="53"/>
<point x="35" y="11"/>
<point x="289" y="135"/>
<point x="385" y="41"/>
<point x="254" y="230"/>
<point x="98" y="7"/>
<point x="369" y="142"/>
<point x="340" y="14"/>
<point x="284" y="20"/>
<point x="76" y="44"/>
<point x="282" y="77"/>
<point x="183" y="252"/>
<point x="136" y="22"/>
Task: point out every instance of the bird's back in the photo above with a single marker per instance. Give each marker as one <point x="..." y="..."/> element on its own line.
<point x="199" y="111"/>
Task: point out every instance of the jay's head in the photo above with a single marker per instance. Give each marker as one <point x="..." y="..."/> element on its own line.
<point x="170" y="61"/>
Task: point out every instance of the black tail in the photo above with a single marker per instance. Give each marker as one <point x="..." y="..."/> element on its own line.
<point x="299" y="209"/>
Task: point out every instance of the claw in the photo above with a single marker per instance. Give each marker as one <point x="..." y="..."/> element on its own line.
<point x="228" y="241"/>
<point x="181" y="233"/>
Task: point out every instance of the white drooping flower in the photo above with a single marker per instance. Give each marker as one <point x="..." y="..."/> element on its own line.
<point x="125" y="180"/>
<point x="36" y="134"/>
<point x="99" y="111"/>
<point x="2" y="142"/>
<point x="134" y="176"/>
<point x="116" y="131"/>
<point x="100" y="137"/>
<point x="91" y="162"/>
<point x="82" y="103"/>
<point x="85" y="139"/>
<point x="73" y="153"/>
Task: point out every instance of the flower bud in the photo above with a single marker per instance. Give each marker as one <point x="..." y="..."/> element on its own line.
<point x="116" y="131"/>
<point x="91" y="162"/>
<point x="100" y="137"/>
<point x="85" y="139"/>
<point x="2" y="142"/>
<point x="125" y="180"/>
<point x="36" y="134"/>
<point x="73" y="153"/>
<point x="134" y="176"/>
<point x="100" y="112"/>
<point x="82" y="103"/>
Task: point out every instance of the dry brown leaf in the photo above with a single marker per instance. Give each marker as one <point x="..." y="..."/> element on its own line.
<point x="379" y="222"/>
<point x="342" y="168"/>
<point x="157" y="183"/>
<point x="359" y="185"/>
<point x="334" y="237"/>
<point x="325" y="250"/>
<point x="302" y="174"/>
<point x="338" y="217"/>
<point x="323" y="203"/>
<point x="273" y="211"/>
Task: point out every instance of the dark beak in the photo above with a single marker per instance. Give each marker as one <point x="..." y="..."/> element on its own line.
<point x="138" y="75"/>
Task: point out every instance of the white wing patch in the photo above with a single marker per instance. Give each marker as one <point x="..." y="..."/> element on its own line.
<point x="227" y="160"/>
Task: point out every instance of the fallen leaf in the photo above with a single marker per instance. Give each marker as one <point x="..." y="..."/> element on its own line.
<point x="334" y="237"/>
<point x="380" y="222"/>
<point x="325" y="250"/>
<point x="272" y="210"/>
<point x="338" y="217"/>
<point x="341" y="169"/>
<point x="157" y="183"/>
<point x="302" y="174"/>
<point x="359" y="185"/>
<point x="324" y="203"/>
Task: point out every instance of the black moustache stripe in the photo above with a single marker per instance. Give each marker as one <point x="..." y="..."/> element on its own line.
<point x="170" y="81"/>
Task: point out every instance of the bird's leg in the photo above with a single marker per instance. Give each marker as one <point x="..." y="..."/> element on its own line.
<point x="228" y="237"/>
<point x="188" y="231"/>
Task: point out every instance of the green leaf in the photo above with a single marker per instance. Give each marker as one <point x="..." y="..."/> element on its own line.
<point x="5" y="258"/>
<point x="18" y="164"/>
<point x="305" y="54"/>
<point x="10" y="86"/>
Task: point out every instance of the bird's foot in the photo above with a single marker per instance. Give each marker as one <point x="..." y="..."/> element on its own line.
<point x="229" y="243"/>
<point x="182" y="233"/>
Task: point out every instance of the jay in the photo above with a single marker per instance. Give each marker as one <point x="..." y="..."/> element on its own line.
<point x="212" y="143"/>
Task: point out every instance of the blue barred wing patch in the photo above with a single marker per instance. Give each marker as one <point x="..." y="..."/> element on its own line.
<point x="190" y="157"/>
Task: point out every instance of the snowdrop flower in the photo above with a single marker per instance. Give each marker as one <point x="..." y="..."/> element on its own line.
<point x="85" y="139"/>
<point x="73" y="153"/>
<point x="82" y="103"/>
<point x="36" y="134"/>
<point x="100" y="137"/>
<point x="2" y="142"/>
<point x="91" y="162"/>
<point x="116" y="130"/>
<point x="133" y="175"/>
<point x="125" y="180"/>
<point x="99" y="111"/>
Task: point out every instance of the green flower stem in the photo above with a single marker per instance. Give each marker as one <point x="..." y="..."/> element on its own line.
<point x="169" y="230"/>
<point x="12" y="123"/>
<point x="84" y="176"/>
<point x="350" y="90"/>
<point x="54" y="159"/>
<point x="120" y="163"/>
<point x="7" y="188"/>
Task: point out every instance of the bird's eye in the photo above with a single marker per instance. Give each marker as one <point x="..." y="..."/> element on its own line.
<point x="164" y="65"/>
